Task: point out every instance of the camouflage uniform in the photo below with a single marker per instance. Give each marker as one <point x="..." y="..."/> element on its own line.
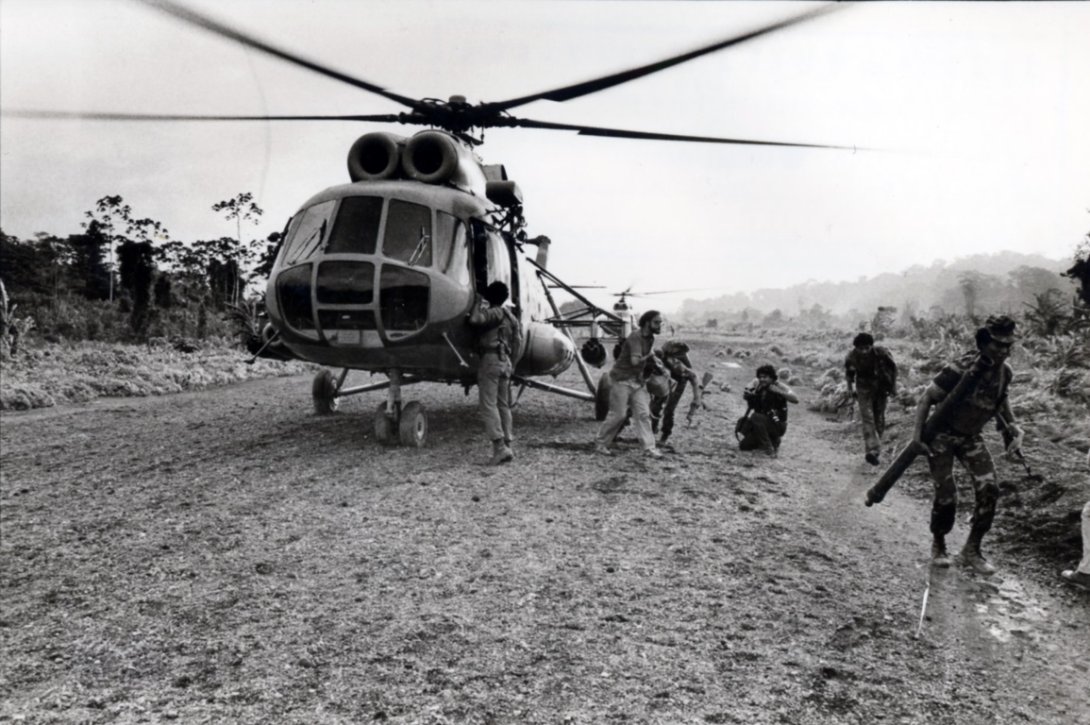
<point x="960" y="439"/>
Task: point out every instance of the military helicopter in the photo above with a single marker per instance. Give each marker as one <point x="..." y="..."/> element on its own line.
<point x="378" y="274"/>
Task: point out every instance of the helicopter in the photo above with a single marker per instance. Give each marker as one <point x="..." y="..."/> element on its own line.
<point x="378" y="274"/>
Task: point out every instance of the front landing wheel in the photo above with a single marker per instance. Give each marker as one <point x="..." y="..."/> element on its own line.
<point x="385" y="427"/>
<point x="324" y="392"/>
<point x="413" y="428"/>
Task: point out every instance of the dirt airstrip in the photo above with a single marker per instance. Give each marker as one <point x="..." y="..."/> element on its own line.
<point x="228" y="556"/>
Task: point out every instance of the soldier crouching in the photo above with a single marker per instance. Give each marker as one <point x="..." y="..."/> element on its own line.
<point x="765" y="422"/>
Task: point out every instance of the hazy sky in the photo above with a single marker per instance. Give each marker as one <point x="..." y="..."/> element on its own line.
<point x="975" y="114"/>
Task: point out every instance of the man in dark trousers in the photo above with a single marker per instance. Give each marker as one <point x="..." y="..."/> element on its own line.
<point x="872" y="378"/>
<point x="675" y="358"/>
<point x="498" y="343"/>
<point x="765" y="422"/>
<point x="959" y="437"/>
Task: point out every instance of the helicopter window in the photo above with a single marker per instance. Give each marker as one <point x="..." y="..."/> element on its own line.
<point x="499" y="261"/>
<point x="306" y="233"/>
<point x="356" y="228"/>
<point x="346" y="283"/>
<point x="451" y="252"/>
<point x="404" y="298"/>
<point x="408" y="233"/>
<point x="293" y="290"/>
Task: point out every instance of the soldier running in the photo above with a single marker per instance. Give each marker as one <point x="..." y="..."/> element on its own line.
<point x="675" y="358"/>
<point x="872" y="378"/>
<point x="959" y="437"/>
<point x="629" y="388"/>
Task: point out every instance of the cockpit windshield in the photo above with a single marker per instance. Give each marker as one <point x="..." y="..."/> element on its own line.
<point x="356" y="228"/>
<point x="408" y="233"/>
<point x="306" y="232"/>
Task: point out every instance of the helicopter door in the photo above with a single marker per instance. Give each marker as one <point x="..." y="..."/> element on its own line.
<point x="491" y="258"/>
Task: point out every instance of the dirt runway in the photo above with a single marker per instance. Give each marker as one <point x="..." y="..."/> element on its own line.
<point x="228" y="556"/>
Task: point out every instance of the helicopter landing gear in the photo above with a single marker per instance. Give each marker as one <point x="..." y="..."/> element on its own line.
<point x="386" y="426"/>
<point x="413" y="427"/>
<point x="324" y="391"/>
<point x="601" y="397"/>
<point x="395" y="424"/>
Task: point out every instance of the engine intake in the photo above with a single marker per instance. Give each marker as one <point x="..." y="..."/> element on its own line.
<point x="375" y="156"/>
<point x="430" y="157"/>
<point x="435" y="157"/>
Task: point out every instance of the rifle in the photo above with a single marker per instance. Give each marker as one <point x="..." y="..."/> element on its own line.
<point x="739" y="424"/>
<point x="931" y="427"/>
<point x="698" y="397"/>
<point x="1015" y="454"/>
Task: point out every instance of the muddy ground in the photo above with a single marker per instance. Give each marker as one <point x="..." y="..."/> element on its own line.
<point x="227" y="556"/>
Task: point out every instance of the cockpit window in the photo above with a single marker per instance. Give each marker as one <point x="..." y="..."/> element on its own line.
<point x="306" y="232"/>
<point x="356" y="228"/>
<point x="408" y="233"/>
<point x="451" y="250"/>
<point x="499" y="258"/>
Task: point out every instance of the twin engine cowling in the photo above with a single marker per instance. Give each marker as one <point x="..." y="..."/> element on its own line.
<point x="430" y="157"/>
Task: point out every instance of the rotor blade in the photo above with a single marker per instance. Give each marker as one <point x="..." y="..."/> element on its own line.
<point x="95" y="116"/>
<point x="202" y="21"/>
<point x="647" y="135"/>
<point x="599" y="84"/>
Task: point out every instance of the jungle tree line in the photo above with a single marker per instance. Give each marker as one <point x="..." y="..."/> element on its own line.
<point x="123" y="263"/>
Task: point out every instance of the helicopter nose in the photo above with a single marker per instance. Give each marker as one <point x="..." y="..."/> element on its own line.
<point x="457" y="100"/>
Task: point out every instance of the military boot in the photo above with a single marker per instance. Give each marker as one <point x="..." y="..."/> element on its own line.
<point x="510" y="448"/>
<point x="500" y="453"/>
<point x="939" y="557"/>
<point x="972" y="558"/>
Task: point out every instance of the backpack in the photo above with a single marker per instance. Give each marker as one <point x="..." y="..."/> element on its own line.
<point x="511" y="334"/>
<point x="887" y="371"/>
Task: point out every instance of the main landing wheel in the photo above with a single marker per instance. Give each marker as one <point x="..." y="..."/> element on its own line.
<point x="324" y="392"/>
<point x="413" y="428"/>
<point x="385" y="427"/>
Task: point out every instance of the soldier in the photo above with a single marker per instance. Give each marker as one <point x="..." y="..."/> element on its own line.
<point x="629" y="389"/>
<point x="959" y="437"/>
<point x="498" y="344"/>
<point x="765" y="422"/>
<point x="1080" y="575"/>
<point x="872" y="378"/>
<point x="675" y="358"/>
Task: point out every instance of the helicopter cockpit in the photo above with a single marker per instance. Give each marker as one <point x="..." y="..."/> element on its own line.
<point x="369" y="269"/>
<point x="387" y="260"/>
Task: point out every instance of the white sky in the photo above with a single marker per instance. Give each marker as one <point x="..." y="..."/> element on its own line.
<point x="978" y="114"/>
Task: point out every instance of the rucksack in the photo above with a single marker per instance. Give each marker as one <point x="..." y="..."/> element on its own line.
<point x="887" y="371"/>
<point x="511" y="334"/>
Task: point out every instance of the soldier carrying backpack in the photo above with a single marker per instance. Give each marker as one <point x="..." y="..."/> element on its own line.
<point x="499" y="346"/>
<point x="872" y="377"/>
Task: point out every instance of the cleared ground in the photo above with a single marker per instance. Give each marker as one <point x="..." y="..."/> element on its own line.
<point x="227" y="556"/>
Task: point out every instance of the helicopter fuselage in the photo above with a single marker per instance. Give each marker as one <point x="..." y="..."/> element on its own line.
<point x="380" y="274"/>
